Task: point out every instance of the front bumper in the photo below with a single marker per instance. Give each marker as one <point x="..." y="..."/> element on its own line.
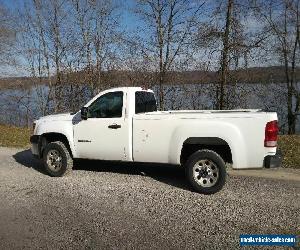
<point x="273" y="161"/>
<point x="35" y="142"/>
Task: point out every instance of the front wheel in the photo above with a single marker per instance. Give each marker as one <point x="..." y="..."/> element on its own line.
<point x="206" y="171"/>
<point x="57" y="159"/>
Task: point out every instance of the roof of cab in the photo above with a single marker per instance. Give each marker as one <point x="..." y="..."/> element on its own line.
<point x="128" y="89"/>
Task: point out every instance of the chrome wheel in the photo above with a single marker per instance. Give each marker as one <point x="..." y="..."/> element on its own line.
<point x="54" y="160"/>
<point x="206" y="173"/>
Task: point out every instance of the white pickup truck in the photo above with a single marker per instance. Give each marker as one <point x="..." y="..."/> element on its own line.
<point x="123" y="124"/>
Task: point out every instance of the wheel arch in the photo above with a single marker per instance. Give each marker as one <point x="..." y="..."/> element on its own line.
<point x="49" y="137"/>
<point x="216" y="144"/>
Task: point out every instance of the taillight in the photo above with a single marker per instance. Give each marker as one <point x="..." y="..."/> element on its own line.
<point x="271" y="132"/>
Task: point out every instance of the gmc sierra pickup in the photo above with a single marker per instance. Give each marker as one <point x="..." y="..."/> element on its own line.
<point x="123" y="124"/>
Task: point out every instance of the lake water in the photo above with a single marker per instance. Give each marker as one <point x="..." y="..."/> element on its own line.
<point x="21" y="106"/>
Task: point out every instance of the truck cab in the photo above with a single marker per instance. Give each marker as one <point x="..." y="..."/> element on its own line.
<point x="106" y="123"/>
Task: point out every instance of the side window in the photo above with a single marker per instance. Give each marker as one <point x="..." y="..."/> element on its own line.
<point x="144" y="102"/>
<point x="109" y="105"/>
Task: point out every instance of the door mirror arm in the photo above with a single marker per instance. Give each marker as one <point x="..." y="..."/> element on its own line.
<point x="84" y="113"/>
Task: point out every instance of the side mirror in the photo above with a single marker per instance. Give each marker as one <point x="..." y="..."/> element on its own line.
<point x="84" y="113"/>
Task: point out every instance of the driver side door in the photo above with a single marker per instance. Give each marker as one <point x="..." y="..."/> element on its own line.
<point x="103" y="136"/>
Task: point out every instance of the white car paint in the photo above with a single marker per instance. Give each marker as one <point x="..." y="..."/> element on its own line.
<point x="159" y="136"/>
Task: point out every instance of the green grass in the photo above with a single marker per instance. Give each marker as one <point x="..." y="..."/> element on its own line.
<point x="11" y="136"/>
<point x="290" y="147"/>
<point x="19" y="137"/>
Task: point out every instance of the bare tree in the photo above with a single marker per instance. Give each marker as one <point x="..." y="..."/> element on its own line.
<point x="98" y="35"/>
<point x="282" y="22"/>
<point x="229" y="40"/>
<point x="7" y="38"/>
<point x="225" y="52"/>
<point x="43" y="55"/>
<point x="170" y="25"/>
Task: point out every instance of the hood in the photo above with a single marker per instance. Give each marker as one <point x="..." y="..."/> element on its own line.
<point x="57" y="117"/>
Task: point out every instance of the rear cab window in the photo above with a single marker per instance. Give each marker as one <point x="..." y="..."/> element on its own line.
<point x="145" y="102"/>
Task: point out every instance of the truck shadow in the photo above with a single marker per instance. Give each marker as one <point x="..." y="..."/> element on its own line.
<point x="26" y="159"/>
<point x="168" y="174"/>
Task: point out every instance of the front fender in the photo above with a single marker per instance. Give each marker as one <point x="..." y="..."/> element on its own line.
<point x="61" y="127"/>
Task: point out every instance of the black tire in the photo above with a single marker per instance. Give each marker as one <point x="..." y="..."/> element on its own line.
<point x="215" y="163"/>
<point x="64" y="165"/>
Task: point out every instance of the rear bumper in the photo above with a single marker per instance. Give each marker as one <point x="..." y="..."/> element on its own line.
<point x="273" y="161"/>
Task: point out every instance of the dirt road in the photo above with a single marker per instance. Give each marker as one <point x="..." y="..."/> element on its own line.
<point x="123" y="206"/>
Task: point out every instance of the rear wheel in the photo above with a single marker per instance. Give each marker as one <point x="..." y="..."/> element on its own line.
<point x="206" y="171"/>
<point x="57" y="159"/>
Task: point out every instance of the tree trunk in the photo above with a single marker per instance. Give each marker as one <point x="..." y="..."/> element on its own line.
<point x="292" y="114"/>
<point x="225" y="53"/>
<point x="161" y="63"/>
<point x="291" y="117"/>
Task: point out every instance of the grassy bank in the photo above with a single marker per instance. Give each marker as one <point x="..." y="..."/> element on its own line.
<point x="11" y="136"/>
<point x="290" y="147"/>
<point x="19" y="137"/>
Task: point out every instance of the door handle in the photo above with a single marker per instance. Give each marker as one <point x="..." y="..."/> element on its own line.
<point x="114" y="126"/>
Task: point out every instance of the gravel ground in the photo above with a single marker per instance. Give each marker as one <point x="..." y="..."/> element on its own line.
<point x="125" y="206"/>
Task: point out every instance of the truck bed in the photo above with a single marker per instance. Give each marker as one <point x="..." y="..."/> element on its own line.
<point x="157" y="134"/>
